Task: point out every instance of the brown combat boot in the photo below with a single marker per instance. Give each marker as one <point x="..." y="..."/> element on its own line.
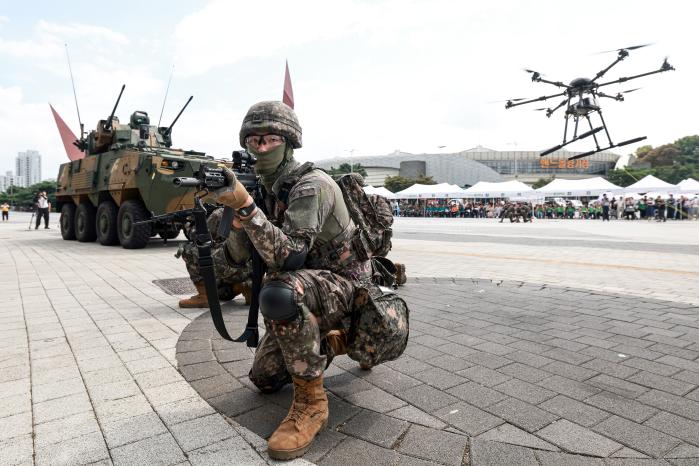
<point x="198" y="300"/>
<point x="244" y="289"/>
<point x="307" y="416"/>
<point x="337" y="341"/>
<point x="401" y="278"/>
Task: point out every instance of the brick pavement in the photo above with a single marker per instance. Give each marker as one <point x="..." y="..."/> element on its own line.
<point x="100" y="366"/>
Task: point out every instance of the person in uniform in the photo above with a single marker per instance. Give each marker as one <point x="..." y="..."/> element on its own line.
<point x="233" y="269"/>
<point x="306" y="299"/>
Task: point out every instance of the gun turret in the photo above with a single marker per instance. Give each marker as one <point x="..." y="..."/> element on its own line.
<point x="166" y="131"/>
<point x="108" y="124"/>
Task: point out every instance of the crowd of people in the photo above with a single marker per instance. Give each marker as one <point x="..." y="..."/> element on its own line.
<point x="603" y="208"/>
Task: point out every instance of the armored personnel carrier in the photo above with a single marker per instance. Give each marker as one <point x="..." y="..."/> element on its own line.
<point x="126" y="177"/>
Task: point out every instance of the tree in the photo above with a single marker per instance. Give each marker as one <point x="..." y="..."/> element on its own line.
<point x="345" y="168"/>
<point x="689" y="147"/>
<point x="397" y="183"/>
<point x="661" y="156"/>
<point x="422" y="179"/>
<point x="643" y="151"/>
<point x="542" y="182"/>
<point x="24" y="197"/>
<point x="627" y="176"/>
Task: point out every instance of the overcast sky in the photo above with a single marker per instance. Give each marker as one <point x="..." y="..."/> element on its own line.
<point x="368" y="76"/>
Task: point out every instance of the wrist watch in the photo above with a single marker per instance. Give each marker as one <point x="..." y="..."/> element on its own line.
<point x="244" y="212"/>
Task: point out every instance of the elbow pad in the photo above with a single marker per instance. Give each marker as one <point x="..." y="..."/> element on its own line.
<point x="296" y="259"/>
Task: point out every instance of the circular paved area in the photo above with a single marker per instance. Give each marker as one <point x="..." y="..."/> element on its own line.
<point x="502" y="373"/>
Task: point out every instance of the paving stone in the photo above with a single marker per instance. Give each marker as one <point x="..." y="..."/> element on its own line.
<point x="15" y="404"/>
<point x="476" y="394"/>
<point x="230" y="451"/>
<point x="17" y="451"/>
<point x="158" y="377"/>
<point x="113" y="391"/>
<point x="628" y="453"/>
<point x="563" y="459"/>
<point x="236" y="401"/>
<point x="676" y="426"/>
<point x="568" y="387"/>
<point x="132" y="429"/>
<point x="507" y="433"/>
<point x="417" y="416"/>
<point x="161" y="449"/>
<point x="525" y="391"/>
<point x="622" y="406"/>
<point x="347" y="384"/>
<point x="375" y="400"/>
<point x="674" y="404"/>
<point x="355" y="451"/>
<point x="679" y="362"/>
<point x="618" y="386"/>
<point x="122" y="408"/>
<point x="636" y="436"/>
<point x="324" y="442"/>
<point x="659" y="382"/>
<point x="573" y="410"/>
<point x="565" y="356"/>
<point x="610" y="368"/>
<point x="683" y="451"/>
<point x="484" y="376"/>
<point x="569" y="371"/>
<point x="201" y="432"/>
<point x="180" y="411"/>
<point x="651" y="366"/>
<point x="449" y="362"/>
<point x="435" y="445"/>
<point x="486" y="453"/>
<point x="439" y="378"/>
<point x="529" y="359"/>
<point x="577" y="439"/>
<point x="524" y="372"/>
<point x="263" y="420"/>
<point x="340" y="411"/>
<point x="468" y="419"/>
<point x="61" y="407"/>
<point x="202" y="370"/>
<point x="426" y="398"/>
<point x="65" y="429"/>
<point x="375" y="428"/>
<point x="521" y="414"/>
<point x="89" y="448"/>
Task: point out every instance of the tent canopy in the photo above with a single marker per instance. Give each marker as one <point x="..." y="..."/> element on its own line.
<point x="430" y="191"/>
<point x="690" y="185"/>
<point x="650" y="183"/>
<point x="585" y="187"/>
<point x="380" y="191"/>
<point x="502" y="189"/>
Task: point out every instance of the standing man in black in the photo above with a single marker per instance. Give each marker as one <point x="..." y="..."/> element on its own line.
<point x="42" y="209"/>
<point x="605" y="208"/>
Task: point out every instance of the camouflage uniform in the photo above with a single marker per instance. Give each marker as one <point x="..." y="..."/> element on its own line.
<point x="314" y="224"/>
<point x="229" y="269"/>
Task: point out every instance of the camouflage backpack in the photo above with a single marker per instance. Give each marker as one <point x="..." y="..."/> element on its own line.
<point x="379" y="330"/>
<point x="373" y="216"/>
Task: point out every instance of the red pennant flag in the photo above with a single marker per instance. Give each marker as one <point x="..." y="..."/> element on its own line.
<point x="288" y="97"/>
<point x="67" y="136"/>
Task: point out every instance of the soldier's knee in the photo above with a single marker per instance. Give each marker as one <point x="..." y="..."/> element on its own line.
<point x="277" y="302"/>
<point x="269" y="384"/>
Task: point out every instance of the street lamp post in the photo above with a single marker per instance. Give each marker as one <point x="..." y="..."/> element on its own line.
<point x="351" y="151"/>
<point x="514" y="143"/>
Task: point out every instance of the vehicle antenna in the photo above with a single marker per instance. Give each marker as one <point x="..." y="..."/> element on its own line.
<point x="166" y="92"/>
<point x="75" y="95"/>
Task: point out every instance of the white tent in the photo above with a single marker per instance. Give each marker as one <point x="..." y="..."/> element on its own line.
<point x="650" y="183"/>
<point x="585" y="187"/>
<point x="430" y="191"/>
<point x="690" y="185"/>
<point x="485" y="189"/>
<point x="381" y="191"/>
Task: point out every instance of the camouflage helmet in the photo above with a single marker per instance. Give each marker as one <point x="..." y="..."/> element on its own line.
<point x="272" y="117"/>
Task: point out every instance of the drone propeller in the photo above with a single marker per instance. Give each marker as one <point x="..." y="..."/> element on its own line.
<point x="633" y="47"/>
<point x="508" y="100"/>
<point x="540" y="109"/>
<point x="630" y="90"/>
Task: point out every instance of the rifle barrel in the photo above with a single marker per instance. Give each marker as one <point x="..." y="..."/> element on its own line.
<point x="108" y="125"/>
<point x="169" y="128"/>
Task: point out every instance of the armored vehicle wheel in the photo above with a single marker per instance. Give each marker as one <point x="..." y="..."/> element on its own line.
<point x="68" y="221"/>
<point x="133" y="236"/>
<point x="85" y="231"/>
<point x="107" y="233"/>
<point x="170" y="234"/>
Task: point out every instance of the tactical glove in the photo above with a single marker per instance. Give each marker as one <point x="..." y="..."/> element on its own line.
<point x="234" y="193"/>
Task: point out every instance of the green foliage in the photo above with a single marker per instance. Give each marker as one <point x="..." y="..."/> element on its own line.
<point x="24" y="197"/>
<point x="542" y="182"/>
<point x="397" y="183"/>
<point x="689" y="147"/>
<point x="345" y="168"/>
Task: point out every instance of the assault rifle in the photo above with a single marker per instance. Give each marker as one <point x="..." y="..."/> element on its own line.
<point x="207" y="180"/>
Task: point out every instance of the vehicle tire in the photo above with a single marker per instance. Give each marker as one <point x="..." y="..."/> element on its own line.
<point x="85" y="223"/>
<point x="170" y="234"/>
<point x="106" y="223"/>
<point x="67" y="221"/>
<point x="133" y="236"/>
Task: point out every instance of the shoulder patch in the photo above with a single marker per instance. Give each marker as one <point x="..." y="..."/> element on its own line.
<point x="304" y="191"/>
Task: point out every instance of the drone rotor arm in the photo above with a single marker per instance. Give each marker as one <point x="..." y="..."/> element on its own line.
<point x="604" y="71"/>
<point x="615" y="97"/>
<point x="555" y="83"/>
<point x="511" y="104"/>
<point x="666" y="67"/>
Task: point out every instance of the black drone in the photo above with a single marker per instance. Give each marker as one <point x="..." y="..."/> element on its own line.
<point x="581" y="101"/>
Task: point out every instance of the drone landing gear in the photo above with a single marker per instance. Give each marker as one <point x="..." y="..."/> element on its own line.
<point x="576" y="138"/>
<point x="623" y="143"/>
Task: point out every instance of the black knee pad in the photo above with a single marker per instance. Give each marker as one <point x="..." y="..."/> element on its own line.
<point x="277" y="302"/>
